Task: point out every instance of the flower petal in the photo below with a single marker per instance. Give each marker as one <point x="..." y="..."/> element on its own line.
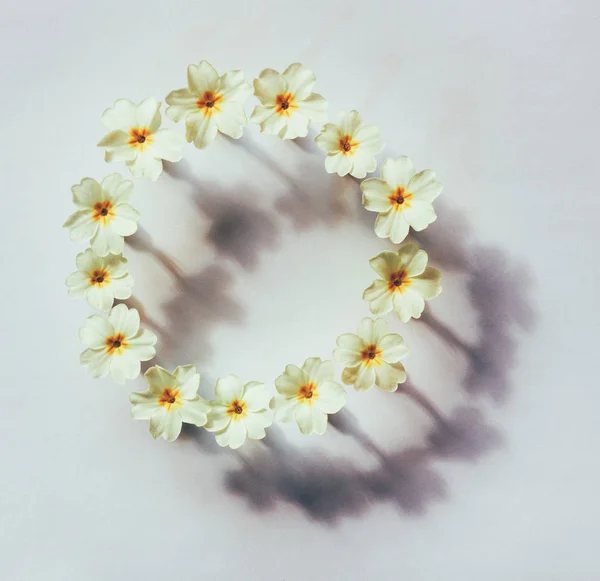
<point x="100" y="298"/>
<point x="332" y="397"/>
<point x="181" y="102"/>
<point x="393" y="347"/>
<point x="202" y="77"/>
<point x="158" y="378"/>
<point x="95" y="331"/>
<point x="147" y="114"/>
<point x="256" y="422"/>
<point x="145" y="165"/>
<point x="420" y="215"/>
<point x="376" y="193"/>
<point x="200" y="129"/>
<point x="318" y="371"/>
<point x="379" y="297"/>
<point x="385" y="263"/>
<point x="124" y="320"/>
<point x="234" y="88"/>
<point x="218" y="419"/>
<point x="365" y="378"/>
<point x="299" y="80"/>
<point x="97" y="361"/>
<point x="120" y="116"/>
<point x="268" y="85"/>
<point x="388" y="376"/>
<point x="424" y="186"/>
<point x="407" y="305"/>
<point x="77" y="284"/>
<point x="168" y="144"/>
<point x="428" y="284"/>
<point x="188" y="380"/>
<point x="310" y="419"/>
<point x="283" y="407"/>
<point x="231" y="120"/>
<point x="369" y="137"/>
<point x="194" y="412"/>
<point x="291" y="380"/>
<point x="256" y="396"/>
<point x="233" y="436"/>
<point x="142" y="344"/>
<point x="296" y="125"/>
<point x="80" y="225"/>
<point x="144" y="405"/>
<point x="229" y="388"/>
<point x="158" y="423"/>
<point x="314" y="107"/>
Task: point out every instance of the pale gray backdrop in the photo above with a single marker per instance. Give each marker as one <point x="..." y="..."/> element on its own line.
<point x="501" y="99"/>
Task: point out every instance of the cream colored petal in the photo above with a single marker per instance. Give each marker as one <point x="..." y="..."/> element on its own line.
<point x="158" y="423"/>
<point x="424" y="186"/>
<point x="234" y="88"/>
<point x="407" y="305"/>
<point x="142" y="344"/>
<point x="194" y="412"/>
<point x="268" y="85"/>
<point x="80" y="225"/>
<point x="119" y="190"/>
<point x="346" y="357"/>
<point x="97" y="362"/>
<point x="406" y="253"/>
<point x="350" y="374"/>
<point x="173" y="425"/>
<point x="376" y="195"/>
<point x="349" y="122"/>
<point x="400" y="227"/>
<point x="200" y="130"/>
<point x="310" y="420"/>
<point x="404" y="170"/>
<point x="115" y="263"/>
<point x="181" y="102"/>
<point x="385" y="263"/>
<point x="314" y="107"/>
<point x="123" y="367"/>
<point x="122" y="288"/>
<point x="295" y="126"/>
<point x="328" y="139"/>
<point x="86" y="193"/>
<point x="256" y="396"/>
<point x="77" y="284"/>
<point x="365" y="378"/>
<point x="256" y="422"/>
<point x="387" y="377"/>
<point x="158" y="378"/>
<point x="385" y="224"/>
<point x="420" y="215"/>
<point x="144" y="405"/>
<point x="299" y="80"/>
<point x="145" y="165"/>
<point x="318" y="371"/>
<point x="417" y="264"/>
<point x="217" y="418"/>
<point x="229" y="388"/>
<point x="100" y="298"/>
<point x="380" y="329"/>
<point x="283" y="407"/>
<point x="232" y="120"/>
<point x="428" y="283"/>
<point x="369" y="137"/>
<point x="362" y="164"/>
<point x="291" y="380"/>
<point x="332" y="397"/>
<point x="379" y="298"/>
<point x="168" y="144"/>
<point x="233" y="436"/>
<point x="188" y="380"/>
<point x="393" y="347"/>
<point x="120" y="116"/>
<point x="337" y="163"/>
<point x="146" y="114"/>
<point x="124" y="320"/>
<point x="95" y="331"/>
<point x="202" y="77"/>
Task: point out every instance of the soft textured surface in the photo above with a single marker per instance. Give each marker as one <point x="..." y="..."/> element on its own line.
<point x="501" y="101"/>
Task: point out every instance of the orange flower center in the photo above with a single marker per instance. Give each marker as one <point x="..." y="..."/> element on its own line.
<point x="170" y="399"/>
<point x="236" y="410"/>
<point x="400" y="199"/>
<point x="399" y="282"/>
<point x="308" y="394"/>
<point x="99" y="277"/>
<point x="371" y="356"/>
<point x="116" y="344"/>
<point x="285" y="104"/>
<point x="103" y="212"/>
<point x="140" y="138"/>
<point x="348" y="145"/>
<point x="209" y="103"/>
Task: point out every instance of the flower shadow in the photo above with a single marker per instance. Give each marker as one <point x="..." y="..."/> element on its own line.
<point x="326" y="488"/>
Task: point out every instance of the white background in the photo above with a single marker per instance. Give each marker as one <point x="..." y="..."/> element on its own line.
<point x="502" y="100"/>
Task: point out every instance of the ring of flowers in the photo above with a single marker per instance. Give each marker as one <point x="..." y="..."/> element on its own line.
<point x="213" y="104"/>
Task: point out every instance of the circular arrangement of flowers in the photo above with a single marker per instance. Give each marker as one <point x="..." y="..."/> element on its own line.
<point x="211" y="104"/>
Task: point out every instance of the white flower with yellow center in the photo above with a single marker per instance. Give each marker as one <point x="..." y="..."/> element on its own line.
<point x="307" y="395"/>
<point x="351" y="146"/>
<point x="239" y="412"/>
<point x="104" y="215"/>
<point x="407" y="282"/>
<point x="402" y="197"/>
<point x="117" y="344"/>
<point x="136" y="138"/>
<point x="372" y="356"/>
<point x="210" y="104"/>
<point x="100" y="279"/>
<point x="171" y="400"/>
<point x="287" y="103"/>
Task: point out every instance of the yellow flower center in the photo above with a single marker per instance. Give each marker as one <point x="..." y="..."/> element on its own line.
<point x="371" y="356"/>
<point x="99" y="277"/>
<point x="237" y="410"/>
<point x="140" y="138"/>
<point x="103" y="212"/>
<point x="400" y="199"/>
<point x="116" y="344"/>
<point x="285" y="104"/>
<point x="307" y="394"/>
<point x="209" y="103"/>
<point x="348" y="145"/>
<point x="170" y="399"/>
<point x="399" y="282"/>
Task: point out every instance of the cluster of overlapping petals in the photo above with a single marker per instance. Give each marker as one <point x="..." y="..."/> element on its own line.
<point x="116" y="344"/>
